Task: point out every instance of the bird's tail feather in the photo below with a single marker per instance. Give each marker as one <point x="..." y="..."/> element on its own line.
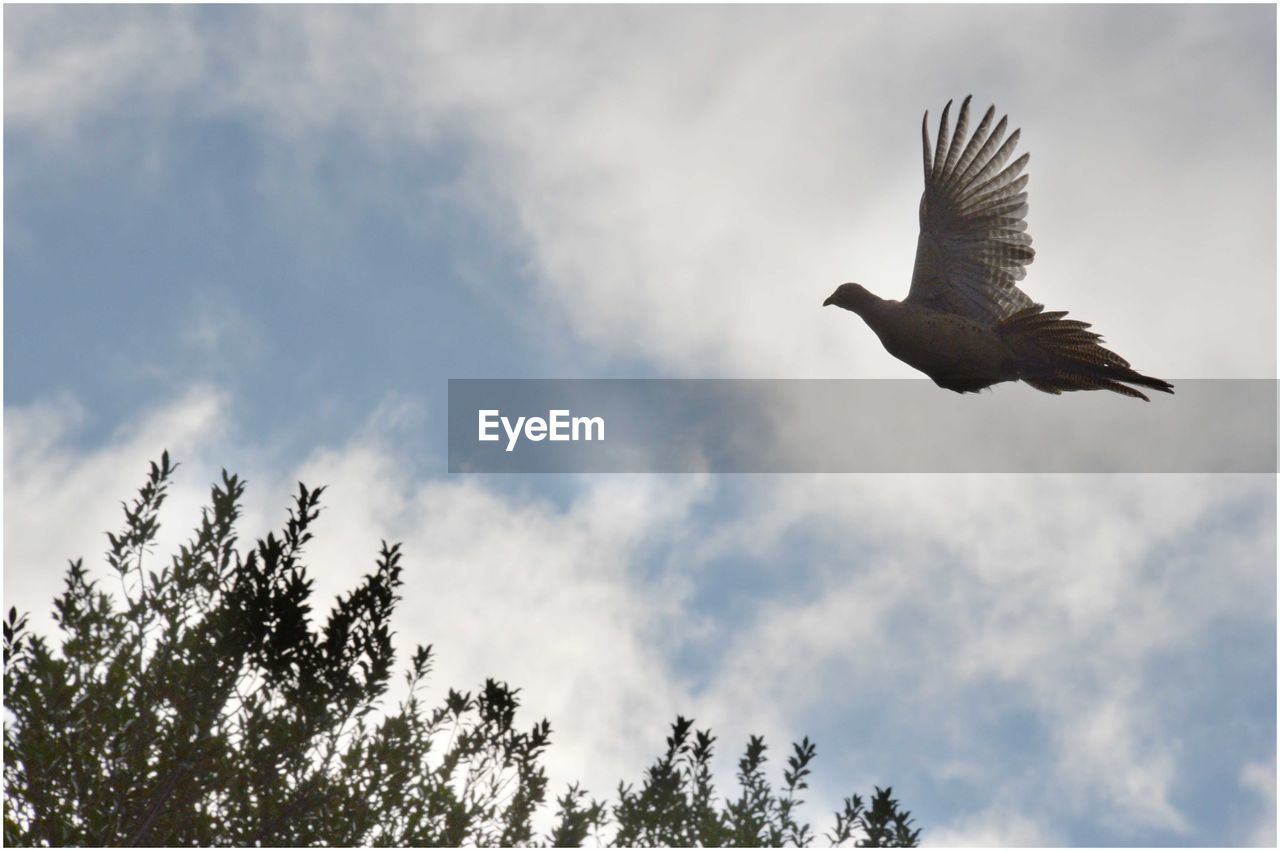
<point x="1058" y="355"/>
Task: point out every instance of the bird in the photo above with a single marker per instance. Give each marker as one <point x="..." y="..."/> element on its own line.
<point x="965" y="323"/>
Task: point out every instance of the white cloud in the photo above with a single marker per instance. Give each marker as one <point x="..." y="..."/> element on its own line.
<point x="1259" y="778"/>
<point x="1051" y="594"/>
<point x="60" y="500"/>
<point x="64" y="71"/>
<point x="687" y="185"/>
<point x="993" y="827"/>
<point x="692" y="211"/>
<point x="551" y="599"/>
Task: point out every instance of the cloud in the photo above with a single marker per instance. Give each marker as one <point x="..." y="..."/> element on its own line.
<point x="61" y="499"/>
<point x="739" y="185"/>
<point x="685" y="186"/>
<point x="1259" y="778"/>
<point x="551" y="598"/>
<point x="965" y="602"/>
<point x="993" y="827"/>
<point x="692" y="212"/>
<point x="961" y="602"/>
<point x="63" y="72"/>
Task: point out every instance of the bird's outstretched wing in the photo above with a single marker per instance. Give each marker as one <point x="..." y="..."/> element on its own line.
<point x="973" y="244"/>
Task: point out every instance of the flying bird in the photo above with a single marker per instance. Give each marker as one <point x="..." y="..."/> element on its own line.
<point x="965" y="323"/>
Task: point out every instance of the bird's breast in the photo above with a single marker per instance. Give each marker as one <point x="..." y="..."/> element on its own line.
<point x="944" y="346"/>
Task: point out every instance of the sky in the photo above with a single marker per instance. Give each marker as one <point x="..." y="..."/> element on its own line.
<point x="265" y="237"/>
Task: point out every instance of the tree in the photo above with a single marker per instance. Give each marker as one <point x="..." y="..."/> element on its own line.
<point x="676" y="804"/>
<point x="202" y="706"/>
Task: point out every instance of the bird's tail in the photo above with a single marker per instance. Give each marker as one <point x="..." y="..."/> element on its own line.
<point x="1057" y="355"/>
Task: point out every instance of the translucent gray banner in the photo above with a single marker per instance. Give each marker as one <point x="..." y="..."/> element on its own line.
<point x="853" y="426"/>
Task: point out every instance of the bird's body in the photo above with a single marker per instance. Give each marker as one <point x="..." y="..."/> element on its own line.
<point x="965" y="323"/>
<point x="955" y="351"/>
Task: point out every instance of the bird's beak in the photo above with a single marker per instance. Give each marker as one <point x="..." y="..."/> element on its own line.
<point x="830" y="299"/>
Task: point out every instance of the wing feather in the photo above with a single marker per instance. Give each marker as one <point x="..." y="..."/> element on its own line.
<point x="975" y="142"/>
<point x="991" y="170"/>
<point x="940" y="155"/>
<point x="998" y="181"/>
<point x="928" y="160"/>
<point x="962" y="126"/>
<point x="973" y="246"/>
<point x="1010" y="190"/>
<point x="985" y="152"/>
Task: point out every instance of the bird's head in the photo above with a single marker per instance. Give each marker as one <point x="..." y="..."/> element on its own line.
<point x="851" y="297"/>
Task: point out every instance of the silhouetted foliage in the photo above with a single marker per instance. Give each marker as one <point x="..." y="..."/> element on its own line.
<point x="201" y="706"/>
<point x="676" y="804"/>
